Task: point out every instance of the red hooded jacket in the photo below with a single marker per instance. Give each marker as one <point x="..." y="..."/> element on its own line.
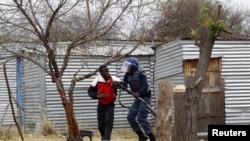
<point x="100" y="86"/>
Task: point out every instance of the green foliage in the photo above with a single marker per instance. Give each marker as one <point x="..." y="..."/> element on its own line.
<point x="215" y="27"/>
<point x="210" y="23"/>
<point x="203" y="14"/>
<point x="31" y="125"/>
<point x="195" y="33"/>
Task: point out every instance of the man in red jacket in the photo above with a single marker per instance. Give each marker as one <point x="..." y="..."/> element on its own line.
<point x="104" y="88"/>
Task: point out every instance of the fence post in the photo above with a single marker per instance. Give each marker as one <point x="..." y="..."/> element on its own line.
<point x="180" y="113"/>
<point x="164" y="111"/>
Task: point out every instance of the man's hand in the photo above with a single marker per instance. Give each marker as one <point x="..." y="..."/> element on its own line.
<point x="102" y="96"/>
<point x="115" y="84"/>
<point x="136" y="95"/>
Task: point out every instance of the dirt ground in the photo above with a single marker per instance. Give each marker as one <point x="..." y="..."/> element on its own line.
<point x="117" y="135"/>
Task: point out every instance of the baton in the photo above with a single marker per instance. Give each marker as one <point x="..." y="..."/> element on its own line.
<point x="139" y="98"/>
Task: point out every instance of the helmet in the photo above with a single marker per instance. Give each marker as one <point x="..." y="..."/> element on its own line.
<point x="130" y="63"/>
<point x="134" y="62"/>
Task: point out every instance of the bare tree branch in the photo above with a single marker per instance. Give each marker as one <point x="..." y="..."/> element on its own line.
<point x="11" y="103"/>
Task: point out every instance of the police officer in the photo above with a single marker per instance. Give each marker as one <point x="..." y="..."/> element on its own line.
<point x="138" y="113"/>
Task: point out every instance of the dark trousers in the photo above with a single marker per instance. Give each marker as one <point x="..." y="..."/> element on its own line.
<point x="105" y="117"/>
<point x="138" y="115"/>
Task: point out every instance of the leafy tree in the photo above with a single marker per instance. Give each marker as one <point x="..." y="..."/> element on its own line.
<point x="203" y="21"/>
<point x="205" y="33"/>
<point x="180" y="16"/>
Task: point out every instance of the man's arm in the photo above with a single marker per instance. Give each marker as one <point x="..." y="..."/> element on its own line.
<point x="144" y="85"/>
<point x="92" y="91"/>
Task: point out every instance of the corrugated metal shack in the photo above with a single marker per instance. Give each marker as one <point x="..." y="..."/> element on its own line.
<point x="41" y="99"/>
<point x="235" y="70"/>
<point x="38" y="96"/>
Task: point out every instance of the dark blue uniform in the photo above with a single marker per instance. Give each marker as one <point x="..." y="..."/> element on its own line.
<point x="138" y="84"/>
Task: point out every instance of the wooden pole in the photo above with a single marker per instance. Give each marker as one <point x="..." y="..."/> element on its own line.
<point x="180" y="113"/>
<point x="164" y="111"/>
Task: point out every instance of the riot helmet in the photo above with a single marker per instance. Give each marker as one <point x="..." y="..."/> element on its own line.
<point x="130" y="65"/>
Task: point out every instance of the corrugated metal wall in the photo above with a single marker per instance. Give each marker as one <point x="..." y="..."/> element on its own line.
<point x="236" y="74"/>
<point x="85" y="107"/>
<point x="5" y="108"/>
<point x="41" y="99"/>
<point x="169" y="63"/>
<point x="235" y="71"/>
<point x="33" y="84"/>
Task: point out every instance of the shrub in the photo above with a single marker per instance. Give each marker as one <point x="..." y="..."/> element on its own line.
<point x="47" y="128"/>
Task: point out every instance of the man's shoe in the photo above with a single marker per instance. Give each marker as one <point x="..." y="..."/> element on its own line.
<point x="144" y="138"/>
<point x="141" y="136"/>
<point x="151" y="137"/>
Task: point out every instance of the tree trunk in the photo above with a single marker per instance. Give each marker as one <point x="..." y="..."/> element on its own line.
<point x="205" y="40"/>
<point x="73" y="129"/>
<point x="194" y="86"/>
<point x="192" y="100"/>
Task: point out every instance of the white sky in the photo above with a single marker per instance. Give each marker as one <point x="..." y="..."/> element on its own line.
<point x="241" y="3"/>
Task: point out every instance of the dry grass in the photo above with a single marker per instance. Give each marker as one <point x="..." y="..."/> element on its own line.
<point x="47" y="128"/>
<point x="10" y="133"/>
<point x="117" y="135"/>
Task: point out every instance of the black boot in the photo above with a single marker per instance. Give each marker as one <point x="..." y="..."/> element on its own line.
<point x="151" y="137"/>
<point x="141" y="136"/>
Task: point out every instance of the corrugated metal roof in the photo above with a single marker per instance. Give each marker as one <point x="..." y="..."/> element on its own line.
<point x="113" y="48"/>
<point x="101" y="48"/>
